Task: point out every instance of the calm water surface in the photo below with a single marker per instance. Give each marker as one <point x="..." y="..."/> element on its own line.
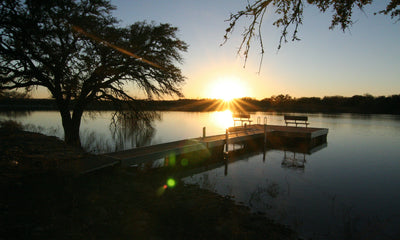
<point x="350" y="188"/>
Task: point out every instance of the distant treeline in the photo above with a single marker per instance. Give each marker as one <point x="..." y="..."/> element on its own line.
<point x="281" y="103"/>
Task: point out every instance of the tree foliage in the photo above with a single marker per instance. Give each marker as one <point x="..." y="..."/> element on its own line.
<point x="290" y="16"/>
<point x="76" y="50"/>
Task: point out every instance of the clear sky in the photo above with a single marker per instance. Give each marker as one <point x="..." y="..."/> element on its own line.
<point x="365" y="59"/>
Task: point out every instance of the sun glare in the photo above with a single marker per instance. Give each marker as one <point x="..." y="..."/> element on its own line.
<point x="223" y="119"/>
<point x="227" y="88"/>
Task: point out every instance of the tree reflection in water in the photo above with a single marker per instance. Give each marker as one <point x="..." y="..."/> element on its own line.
<point x="128" y="130"/>
<point x="266" y="198"/>
<point x="133" y="129"/>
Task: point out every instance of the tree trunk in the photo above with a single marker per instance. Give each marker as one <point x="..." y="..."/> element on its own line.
<point x="71" y="134"/>
<point x="71" y="127"/>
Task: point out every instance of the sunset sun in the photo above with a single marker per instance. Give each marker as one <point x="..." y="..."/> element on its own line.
<point x="227" y="88"/>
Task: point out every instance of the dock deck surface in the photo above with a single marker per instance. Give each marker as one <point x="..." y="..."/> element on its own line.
<point x="236" y="134"/>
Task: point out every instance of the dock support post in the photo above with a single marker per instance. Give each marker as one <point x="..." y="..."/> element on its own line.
<point x="265" y="141"/>
<point x="265" y="134"/>
<point x="264" y="153"/>
<point x="204" y="132"/>
<point x="226" y="140"/>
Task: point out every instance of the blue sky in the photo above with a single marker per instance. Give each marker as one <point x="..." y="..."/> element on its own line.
<point x="365" y="59"/>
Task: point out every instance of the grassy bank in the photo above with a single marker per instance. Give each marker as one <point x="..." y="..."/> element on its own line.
<point x="41" y="201"/>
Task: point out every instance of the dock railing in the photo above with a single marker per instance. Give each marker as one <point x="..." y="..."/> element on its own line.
<point x="243" y="118"/>
<point x="245" y="128"/>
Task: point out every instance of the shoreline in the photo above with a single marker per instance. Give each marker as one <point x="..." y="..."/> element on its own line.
<point x="335" y="104"/>
<point x="41" y="201"/>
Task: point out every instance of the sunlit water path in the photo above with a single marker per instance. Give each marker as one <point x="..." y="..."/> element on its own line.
<point x="347" y="189"/>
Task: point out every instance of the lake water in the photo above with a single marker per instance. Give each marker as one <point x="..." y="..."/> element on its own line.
<point x="347" y="189"/>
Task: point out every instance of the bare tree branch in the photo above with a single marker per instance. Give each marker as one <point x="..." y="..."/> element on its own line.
<point x="290" y="16"/>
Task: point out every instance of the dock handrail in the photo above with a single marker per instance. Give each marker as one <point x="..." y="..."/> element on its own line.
<point x="243" y="118"/>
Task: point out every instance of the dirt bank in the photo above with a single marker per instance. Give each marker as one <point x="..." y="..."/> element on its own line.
<point x="40" y="201"/>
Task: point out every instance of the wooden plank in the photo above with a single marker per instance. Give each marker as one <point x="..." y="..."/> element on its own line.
<point x="319" y="132"/>
<point x="143" y="154"/>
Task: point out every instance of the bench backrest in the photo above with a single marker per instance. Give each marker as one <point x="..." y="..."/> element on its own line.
<point x="241" y="115"/>
<point x="297" y="118"/>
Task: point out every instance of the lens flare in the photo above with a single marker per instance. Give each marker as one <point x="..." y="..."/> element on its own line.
<point x="172" y="159"/>
<point x="160" y="191"/>
<point x="171" y="182"/>
<point x="184" y="162"/>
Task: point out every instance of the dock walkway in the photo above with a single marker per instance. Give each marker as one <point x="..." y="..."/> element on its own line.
<point x="235" y="135"/>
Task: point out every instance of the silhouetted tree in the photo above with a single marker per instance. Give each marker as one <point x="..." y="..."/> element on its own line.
<point x="290" y="13"/>
<point x="281" y="99"/>
<point x="76" y="50"/>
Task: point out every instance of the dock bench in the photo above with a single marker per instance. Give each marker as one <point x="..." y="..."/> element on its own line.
<point x="296" y="120"/>
<point x="242" y="118"/>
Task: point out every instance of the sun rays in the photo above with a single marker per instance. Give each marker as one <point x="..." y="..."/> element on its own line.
<point x="237" y="105"/>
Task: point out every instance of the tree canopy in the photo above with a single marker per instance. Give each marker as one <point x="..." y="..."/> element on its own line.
<point x="290" y="17"/>
<point x="76" y="50"/>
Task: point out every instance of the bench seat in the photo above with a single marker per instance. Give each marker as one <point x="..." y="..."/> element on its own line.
<point x="296" y="120"/>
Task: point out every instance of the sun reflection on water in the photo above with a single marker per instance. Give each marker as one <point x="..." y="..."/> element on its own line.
<point x="223" y="119"/>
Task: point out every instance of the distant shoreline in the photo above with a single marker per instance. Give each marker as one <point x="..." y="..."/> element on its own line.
<point x="366" y="104"/>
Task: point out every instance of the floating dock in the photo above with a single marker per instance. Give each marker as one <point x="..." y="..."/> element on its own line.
<point x="272" y="134"/>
